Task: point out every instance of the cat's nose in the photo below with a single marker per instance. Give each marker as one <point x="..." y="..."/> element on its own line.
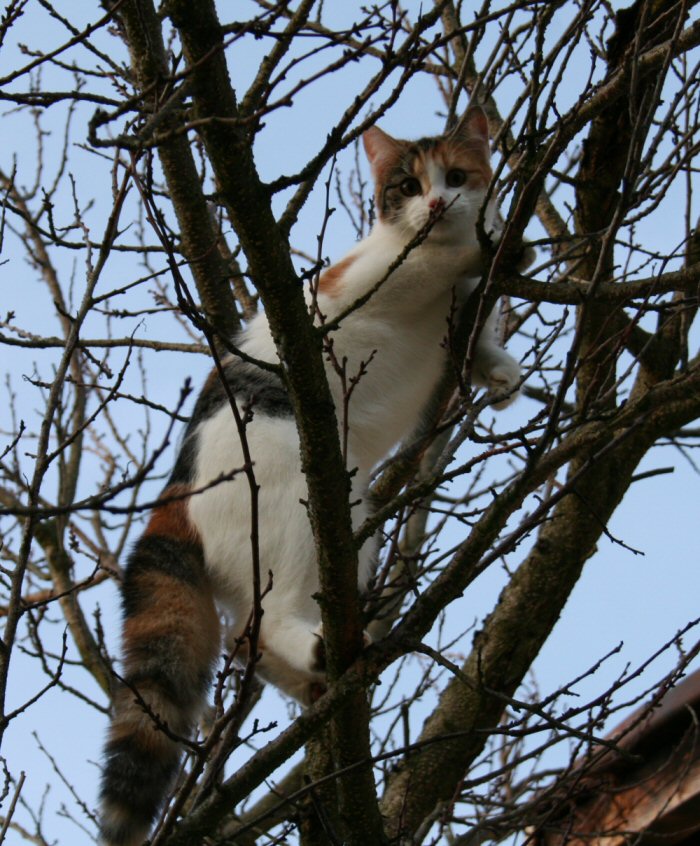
<point x="436" y="204"/>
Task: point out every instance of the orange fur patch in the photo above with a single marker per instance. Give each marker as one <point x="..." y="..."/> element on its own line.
<point x="330" y="279"/>
<point x="176" y="610"/>
<point x="171" y="519"/>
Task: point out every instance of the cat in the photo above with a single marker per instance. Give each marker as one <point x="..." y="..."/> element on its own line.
<point x="194" y="556"/>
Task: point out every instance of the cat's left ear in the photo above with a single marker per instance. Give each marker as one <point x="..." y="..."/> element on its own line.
<point x="381" y="149"/>
<point x="473" y="125"/>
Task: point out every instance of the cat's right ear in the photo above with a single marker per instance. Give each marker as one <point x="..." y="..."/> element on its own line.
<point x="473" y="126"/>
<point x="382" y="150"/>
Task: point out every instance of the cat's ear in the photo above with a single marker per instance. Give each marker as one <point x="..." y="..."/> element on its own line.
<point x="473" y="126"/>
<point x="381" y="149"/>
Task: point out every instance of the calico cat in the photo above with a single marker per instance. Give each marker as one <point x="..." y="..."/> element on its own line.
<point x="194" y="556"/>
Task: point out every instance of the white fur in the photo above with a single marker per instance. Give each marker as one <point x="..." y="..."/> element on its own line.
<point x="404" y="324"/>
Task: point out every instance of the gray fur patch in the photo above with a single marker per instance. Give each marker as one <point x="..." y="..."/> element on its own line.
<point x="255" y="389"/>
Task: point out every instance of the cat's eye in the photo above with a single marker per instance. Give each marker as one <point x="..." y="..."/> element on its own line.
<point x="455" y="177"/>
<point x="410" y="187"/>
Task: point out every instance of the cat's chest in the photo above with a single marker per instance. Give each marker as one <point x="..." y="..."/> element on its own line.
<point x="388" y="373"/>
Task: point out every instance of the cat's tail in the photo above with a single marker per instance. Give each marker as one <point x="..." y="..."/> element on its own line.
<point x="170" y="640"/>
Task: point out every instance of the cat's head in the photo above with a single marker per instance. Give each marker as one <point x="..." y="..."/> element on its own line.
<point x="448" y="174"/>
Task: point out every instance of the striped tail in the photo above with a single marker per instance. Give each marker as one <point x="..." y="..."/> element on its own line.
<point x="170" y="640"/>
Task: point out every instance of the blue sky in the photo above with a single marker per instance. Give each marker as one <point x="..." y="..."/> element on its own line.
<point x="639" y="600"/>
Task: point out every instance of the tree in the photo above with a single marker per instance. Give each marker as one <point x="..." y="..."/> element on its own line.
<point x="170" y="111"/>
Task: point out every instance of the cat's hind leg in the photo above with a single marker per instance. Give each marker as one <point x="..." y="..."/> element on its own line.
<point x="290" y="655"/>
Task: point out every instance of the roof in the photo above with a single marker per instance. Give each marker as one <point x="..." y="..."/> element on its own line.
<point x="647" y="793"/>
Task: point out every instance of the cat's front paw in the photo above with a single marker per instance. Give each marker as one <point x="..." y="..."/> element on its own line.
<point x="502" y="382"/>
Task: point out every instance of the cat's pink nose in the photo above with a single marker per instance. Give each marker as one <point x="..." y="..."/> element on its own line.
<point x="436" y="203"/>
